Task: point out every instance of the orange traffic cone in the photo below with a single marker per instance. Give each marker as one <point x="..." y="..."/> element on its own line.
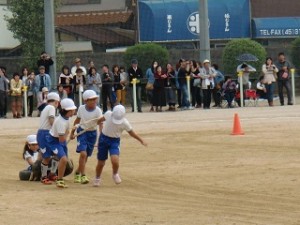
<point x="237" y="130"/>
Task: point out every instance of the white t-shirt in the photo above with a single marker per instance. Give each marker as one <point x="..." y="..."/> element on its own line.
<point x="48" y="112"/>
<point x="86" y="115"/>
<point x="74" y="68"/>
<point x="27" y="156"/>
<point x="60" y="126"/>
<point x="114" y="130"/>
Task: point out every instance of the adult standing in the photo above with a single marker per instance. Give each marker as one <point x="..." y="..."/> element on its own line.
<point x="94" y="82"/>
<point x="107" y="85"/>
<point x="7" y="91"/>
<point x="150" y="82"/>
<point x="16" y="95"/>
<point x="170" y="87"/>
<point x="66" y="80"/>
<point x="159" y="96"/>
<point x="219" y="79"/>
<point x="183" y="72"/>
<point x="4" y="87"/>
<point x="207" y="74"/>
<point x="269" y="70"/>
<point x="124" y="83"/>
<point x="46" y="61"/>
<point x="78" y="65"/>
<point x="283" y="80"/>
<point x="42" y="80"/>
<point x="196" y="84"/>
<point x="134" y="72"/>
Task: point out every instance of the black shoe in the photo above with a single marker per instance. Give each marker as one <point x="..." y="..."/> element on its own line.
<point x="140" y="111"/>
<point x="290" y="103"/>
<point x="282" y="104"/>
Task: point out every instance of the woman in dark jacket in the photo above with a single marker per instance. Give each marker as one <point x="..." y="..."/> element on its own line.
<point x="159" y="97"/>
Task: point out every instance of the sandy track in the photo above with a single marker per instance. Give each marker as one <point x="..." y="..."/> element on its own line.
<point x="193" y="172"/>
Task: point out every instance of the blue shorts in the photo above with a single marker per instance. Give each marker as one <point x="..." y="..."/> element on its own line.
<point x="42" y="141"/>
<point x="107" y="144"/>
<point x="86" y="141"/>
<point x="56" y="148"/>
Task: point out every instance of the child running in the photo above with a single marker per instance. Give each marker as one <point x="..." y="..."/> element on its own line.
<point x="58" y="134"/>
<point x="109" y="141"/>
<point x="31" y="151"/>
<point x="87" y="117"/>
<point x="46" y="121"/>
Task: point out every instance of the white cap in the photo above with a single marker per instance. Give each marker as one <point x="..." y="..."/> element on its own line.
<point x="89" y="94"/>
<point x="118" y="114"/>
<point x="31" y="139"/>
<point x="53" y="96"/>
<point x="67" y="104"/>
<point x="206" y="61"/>
<point x="45" y="89"/>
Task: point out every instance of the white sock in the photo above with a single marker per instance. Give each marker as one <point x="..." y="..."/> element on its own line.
<point x="44" y="169"/>
<point x="54" y="165"/>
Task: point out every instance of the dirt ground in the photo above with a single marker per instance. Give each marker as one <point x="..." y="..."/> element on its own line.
<point x="192" y="172"/>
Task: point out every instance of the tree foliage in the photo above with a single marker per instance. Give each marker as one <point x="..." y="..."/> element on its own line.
<point x="145" y="54"/>
<point x="27" y="25"/>
<point x="237" y="47"/>
<point x="295" y="56"/>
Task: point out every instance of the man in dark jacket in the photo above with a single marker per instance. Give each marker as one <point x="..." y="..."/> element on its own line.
<point x="107" y="84"/>
<point x="46" y="61"/>
<point x="134" y="72"/>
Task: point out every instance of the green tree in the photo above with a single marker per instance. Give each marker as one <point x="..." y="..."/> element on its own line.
<point x="237" y="47"/>
<point x="145" y="54"/>
<point x="27" y="25"/>
<point x="295" y="49"/>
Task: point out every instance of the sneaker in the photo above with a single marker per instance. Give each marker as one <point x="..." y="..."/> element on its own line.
<point x="45" y="180"/>
<point x="61" y="184"/>
<point x="97" y="182"/>
<point x="117" y="178"/>
<point x="77" y="178"/>
<point x="84" y="179"/>
<point x="52" y="177"/>
<point x="191" y="108"/>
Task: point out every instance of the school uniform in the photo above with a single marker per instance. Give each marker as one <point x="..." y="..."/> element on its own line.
<point x="109" y="140"/>
<point x="45" y="126"/>
<point x="87" y="140"/>
<point x="60" y="126"/>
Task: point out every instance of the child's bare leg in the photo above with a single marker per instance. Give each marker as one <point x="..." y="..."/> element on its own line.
<point x="115" y="163"/>
<point x="62" y="167"/>
<point x="82" y="162"/>
<point x="99" y="167"/>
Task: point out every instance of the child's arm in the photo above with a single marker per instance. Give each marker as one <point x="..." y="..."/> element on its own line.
<point x="137" y="137"/>
<point x="30" y="161"/>
<point x="51" y="120"/>
<point x="77" y="121"/>
<point x="63" y="138"/>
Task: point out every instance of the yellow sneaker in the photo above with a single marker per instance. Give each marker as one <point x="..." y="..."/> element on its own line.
<point x="84" y="179"/>
<point x="77" y="178"/>
<point x="61" y="184"/>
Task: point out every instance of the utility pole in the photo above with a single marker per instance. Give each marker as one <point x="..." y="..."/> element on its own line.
<point x="50" y="44"/>
<point x="204" y="30"/>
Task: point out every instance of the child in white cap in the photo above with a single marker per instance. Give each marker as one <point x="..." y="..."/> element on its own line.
<point x="109" y="141"/>
<point x="46" y="121"/>
<point x="87" y="118"/>
<point x="31" y="151"/>
<point x="58" y="134"/>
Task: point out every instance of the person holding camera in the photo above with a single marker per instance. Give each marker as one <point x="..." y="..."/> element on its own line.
<point x="270" y="74"/>
<point x="107" y="85"/>
<point x="46" y="61"/>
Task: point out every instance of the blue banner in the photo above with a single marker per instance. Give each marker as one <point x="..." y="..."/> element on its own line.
<point x="178" y="20"/>
<point x="276" y="27"/>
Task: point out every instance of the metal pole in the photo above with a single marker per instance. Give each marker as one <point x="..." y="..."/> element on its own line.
<point x="241" y="89"/>
<point x="25" y="88"/>
<point x="293" y="85"/>
<point x="50" y="37"/>
<point x="188" y="87"/>
<point x="134" y="80"/>
<point x="204" y="30"/>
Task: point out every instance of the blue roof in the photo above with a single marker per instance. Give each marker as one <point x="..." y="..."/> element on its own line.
<point x="276" y="27"/>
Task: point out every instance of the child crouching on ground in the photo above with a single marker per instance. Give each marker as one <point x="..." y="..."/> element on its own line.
<point x="109" y="141"/>
<point x="58" y="136"/>
<point x="31" y="151"/>
<point x="87" y="118"/>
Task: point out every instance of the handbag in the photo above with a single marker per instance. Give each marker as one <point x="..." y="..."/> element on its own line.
<point x="149" y="86"/>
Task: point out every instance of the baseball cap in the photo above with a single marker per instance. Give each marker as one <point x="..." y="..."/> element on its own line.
<point x="31" y="139"/>
<point x="67" y="104"/>
<point x="89" y="94"/>
<point x="118" y="114"/>
<point x="45" y="89"/>
<point x="206" y="61"/>
<point x="53" y="96"/>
